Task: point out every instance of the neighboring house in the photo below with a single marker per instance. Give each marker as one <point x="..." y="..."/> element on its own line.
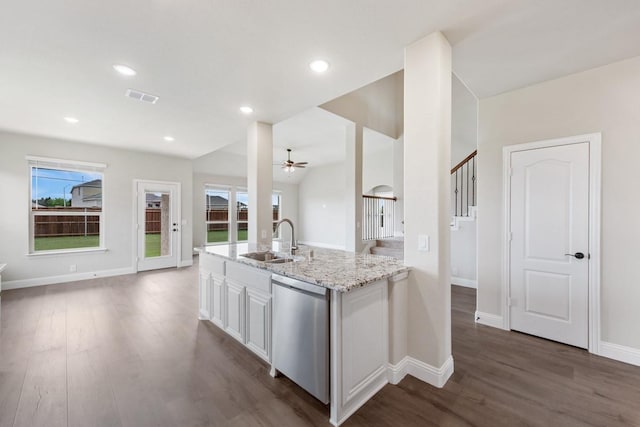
<point x="215" y="202"/>
<point x="87" y="194"/>
<point x="154" y="201"/>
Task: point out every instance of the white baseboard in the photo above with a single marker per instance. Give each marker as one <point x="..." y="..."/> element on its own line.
<point x="185" y="263"/>
<point x="467" y="283"/>
<point x="620" y="353"/>
<point x="436" y="376"/>
<point x="487" y="319"/>
<point x="322" y="245"/>
<point x="52" y="280"/>
<point x="396" y="373"/>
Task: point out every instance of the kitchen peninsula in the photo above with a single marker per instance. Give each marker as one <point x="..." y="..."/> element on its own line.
<point x="236" y="294"/>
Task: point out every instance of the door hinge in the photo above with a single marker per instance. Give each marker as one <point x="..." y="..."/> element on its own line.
<point x="510" y="171"/>
<point x="510" y="235"/>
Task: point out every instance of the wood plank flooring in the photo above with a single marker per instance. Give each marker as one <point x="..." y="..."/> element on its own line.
<point x="129" y="351"/>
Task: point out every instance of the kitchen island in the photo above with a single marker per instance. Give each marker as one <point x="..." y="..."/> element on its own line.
<point x="236" y="294"/>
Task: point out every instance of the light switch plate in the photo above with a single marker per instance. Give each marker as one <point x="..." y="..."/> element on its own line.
<point x="264" y="234"/>
<point x="423" y="242"/>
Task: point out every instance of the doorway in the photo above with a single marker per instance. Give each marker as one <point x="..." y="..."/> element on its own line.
<point x="158" y="224"/>
<point x="552" y="256"/>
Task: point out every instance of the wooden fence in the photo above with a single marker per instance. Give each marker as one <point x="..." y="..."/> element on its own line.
<point x="67" y="225"/>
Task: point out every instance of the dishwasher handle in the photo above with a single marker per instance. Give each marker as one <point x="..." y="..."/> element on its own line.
<point x="279" y="280"/>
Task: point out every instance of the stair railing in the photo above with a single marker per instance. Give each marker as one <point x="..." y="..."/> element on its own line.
<point x="463" y="176"/>
<point x="378" y="217"/>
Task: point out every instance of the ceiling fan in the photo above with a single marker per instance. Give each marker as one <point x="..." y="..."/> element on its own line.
<point x="289" y="166"/>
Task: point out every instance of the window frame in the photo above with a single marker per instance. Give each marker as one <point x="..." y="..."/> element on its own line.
<point x="229" y="221"/>
<point x="34" y="162"/>
<point x="274" y="222"/>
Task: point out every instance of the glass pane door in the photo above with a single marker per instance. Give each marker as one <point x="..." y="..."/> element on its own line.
<point x="158" y="227"/>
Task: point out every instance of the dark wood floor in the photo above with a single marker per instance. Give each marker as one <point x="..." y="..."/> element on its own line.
<point x="129" y="351"/>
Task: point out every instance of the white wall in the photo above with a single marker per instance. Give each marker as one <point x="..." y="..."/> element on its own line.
<point x="321" y="206"/>
<point x="123" y="167"/>
<point x="427" y="156"/>
<point x="221" y="163"/>
<point x="464" y="140"/>
<point x="289" y="202"/>
<point x="377" y="160"/>
<point x="603" y="100"/>
<point x="463" y="254"/>
<point x="464" y="121"/>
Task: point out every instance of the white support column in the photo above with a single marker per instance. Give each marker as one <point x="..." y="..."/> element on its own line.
<point x="353" y="202"/>
<point x="259" y="181"/>
<point x="427" y="152"/>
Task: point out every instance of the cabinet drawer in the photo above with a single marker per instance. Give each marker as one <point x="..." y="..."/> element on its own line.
<point x="250" y="277"/>
<point x="212" y="264"/>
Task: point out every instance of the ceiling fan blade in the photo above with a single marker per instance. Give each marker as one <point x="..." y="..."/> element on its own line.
<point x="300" y="164"/>
<point x="297" y="166"/>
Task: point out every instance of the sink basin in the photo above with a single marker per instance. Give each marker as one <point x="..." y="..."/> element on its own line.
<point x="267" y="256"/>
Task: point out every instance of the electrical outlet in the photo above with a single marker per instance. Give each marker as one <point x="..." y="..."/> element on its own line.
<point x="73" y="268"/>
<point x="264" y="234"/>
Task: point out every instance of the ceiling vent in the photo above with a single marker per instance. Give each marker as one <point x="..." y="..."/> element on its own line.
<point x="141" y="96"/>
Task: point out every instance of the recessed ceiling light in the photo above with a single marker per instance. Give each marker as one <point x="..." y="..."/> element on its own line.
<point x="319" y="66"/>
<point x="169" y="138"/>
<point x="71" y="120"/>
<point x="125" y="70"/>
<point x="246" y="109"/>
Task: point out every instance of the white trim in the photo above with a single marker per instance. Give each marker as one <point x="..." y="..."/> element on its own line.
<point x="488" y="319"/>
<point x="467" y="283"/>
<point x="620" y="352"/>
<point x="185" y="263"/>
<point x="52" y="280"/>
<point x="396" y="373"/>
<point x="49" y="161"/>
<point x="436" y="376"/>
<point x="177" y="218"/>
<point x="323" y="245"/>
<point x="66" y="252"/>
<point x="595" y="191"/>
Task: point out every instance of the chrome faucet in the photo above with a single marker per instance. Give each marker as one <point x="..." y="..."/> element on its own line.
<point x="294" y="247"/>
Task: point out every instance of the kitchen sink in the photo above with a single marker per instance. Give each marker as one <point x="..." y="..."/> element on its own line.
<point x="267" y="256"/>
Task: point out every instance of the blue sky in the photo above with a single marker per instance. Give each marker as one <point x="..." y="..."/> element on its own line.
<point x="57" y="183"/>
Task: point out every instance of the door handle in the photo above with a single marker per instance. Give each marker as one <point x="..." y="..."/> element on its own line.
<point x="175" y="229"/>
<point x="577" y="255"/>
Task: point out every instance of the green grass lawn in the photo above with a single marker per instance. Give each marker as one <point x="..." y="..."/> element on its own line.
<point x="65" y="242"/>
<point x="223" y="236"/>
<point x="152" y="243"/>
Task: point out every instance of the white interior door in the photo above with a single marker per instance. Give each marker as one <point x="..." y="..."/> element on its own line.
<point x="158" y="224"/>
<point x="549" y="277"/>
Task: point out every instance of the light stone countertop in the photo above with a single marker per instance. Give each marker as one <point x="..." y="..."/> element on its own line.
<point x="333" y="269"/>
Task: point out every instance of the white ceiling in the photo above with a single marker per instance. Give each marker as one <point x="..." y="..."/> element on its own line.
<point x="206" y="58"/>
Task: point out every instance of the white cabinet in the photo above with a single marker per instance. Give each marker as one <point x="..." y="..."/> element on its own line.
<point x="217" y="305"/>
<point x="258" y="323"/>
<point x="204" y="279"/>
<point x="237" y="298"/>
<point x="234" y="307"/>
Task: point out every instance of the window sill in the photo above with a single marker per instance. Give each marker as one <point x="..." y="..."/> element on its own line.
<point x="66" y="252"/>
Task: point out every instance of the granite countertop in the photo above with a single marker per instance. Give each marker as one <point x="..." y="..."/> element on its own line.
<point x="330" y="268"/>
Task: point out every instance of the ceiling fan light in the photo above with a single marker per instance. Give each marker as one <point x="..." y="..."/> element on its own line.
<point x="289" y="169"/>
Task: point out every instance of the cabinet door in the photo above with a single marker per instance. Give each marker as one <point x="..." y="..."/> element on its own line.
<point x="217" y="301"/>
<point x="204" y="280"/>
<point x="234" y="316"/>
<point x="259" y="323"/>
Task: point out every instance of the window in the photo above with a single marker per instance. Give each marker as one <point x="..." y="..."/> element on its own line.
<point x="227" y="214"/>
<point x="242" y="212"/>
<point x="66" y="205"/>
<point x="217" y="215"/>
<point x="275" y="201"/>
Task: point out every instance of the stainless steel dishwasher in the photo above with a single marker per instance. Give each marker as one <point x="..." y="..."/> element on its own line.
<point x="301" y="334"/>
